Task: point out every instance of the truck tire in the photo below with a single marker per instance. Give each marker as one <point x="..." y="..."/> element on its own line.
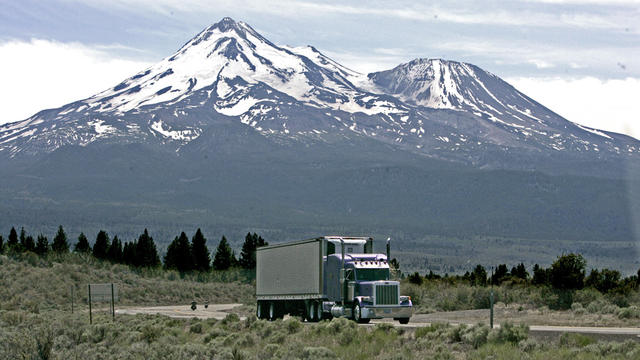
<point x="260" y="313"/>
<point x="309" y="311"/>
<point x="273" y="311"/>
<point x="403" y="321"/>
<point x="357" y="315"/>
<point x="319" y="311"/>
<point x="314" y="311"/>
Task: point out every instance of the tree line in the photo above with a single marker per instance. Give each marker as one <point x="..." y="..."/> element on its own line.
<point x="567" y="273"/>
<point x="182" y="255"/>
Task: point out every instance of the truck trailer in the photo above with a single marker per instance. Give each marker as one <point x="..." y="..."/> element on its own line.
<point x="325" y="277"/>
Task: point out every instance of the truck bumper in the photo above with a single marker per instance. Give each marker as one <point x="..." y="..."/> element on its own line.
<point x="380" y="312"/>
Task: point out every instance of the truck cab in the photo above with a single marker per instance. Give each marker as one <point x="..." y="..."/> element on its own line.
<point x="358" y="284"/>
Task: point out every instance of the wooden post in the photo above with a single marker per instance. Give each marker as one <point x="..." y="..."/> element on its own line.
<point x="72" y="299"/>
<point x="491" y="302"/>
<point x="113" y="306"/>
<point x="90" y="316"/>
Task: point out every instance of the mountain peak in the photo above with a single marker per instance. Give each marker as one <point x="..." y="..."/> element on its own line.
<point x="229" y="70"/>
<point x="224" y="25"/>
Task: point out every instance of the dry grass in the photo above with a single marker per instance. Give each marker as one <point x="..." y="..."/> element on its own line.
<point x="35" y="284"/>
<point x="440" y="301"/>
<point x="34" y="323"/>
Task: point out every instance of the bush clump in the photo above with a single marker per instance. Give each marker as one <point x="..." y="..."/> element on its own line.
<point x="631" y="312"/>
<point x="509" y="333"/>
<point x="318" y="353"/>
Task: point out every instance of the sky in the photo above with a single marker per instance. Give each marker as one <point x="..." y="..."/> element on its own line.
<point x="580" y="58"/>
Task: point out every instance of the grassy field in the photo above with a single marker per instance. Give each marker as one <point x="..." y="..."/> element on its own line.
<point x="35" y="284"/>
<point x="35" y="321"/>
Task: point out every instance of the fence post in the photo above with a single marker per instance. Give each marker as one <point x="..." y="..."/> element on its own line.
<point x="491" y="301"/>
<point x="72" y="299"/>
<point x="90" y="316"/>
<point x="113" y="306"/>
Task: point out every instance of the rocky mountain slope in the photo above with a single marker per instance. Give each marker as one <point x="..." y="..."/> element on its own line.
<point x="233" y="131"/>
<point x="229" y="72"/>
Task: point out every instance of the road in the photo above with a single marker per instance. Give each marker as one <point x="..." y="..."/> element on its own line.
<point x="220" y="311"/>
<point x="215" y="311"/>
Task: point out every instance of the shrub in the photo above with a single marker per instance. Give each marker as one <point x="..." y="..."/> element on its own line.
<point x="432" y="328"/>
<point x="529" y="346"/>
<point x="455" y="335"/>
<point x="196" y="328"/>
<point x="269" y="351"/>
<point x="321" y="352"/>
<point x="510" y="333"/>
<point x="587" y="296"/>
<point x="293" y="325"/>
<point x="230" y="318"/>
<point x="631" y="312"/>
<point x="476" y="335"/>
<point x="577" y="308"/>
<point x="575" y="340"/>
<point x="150" y="333"/>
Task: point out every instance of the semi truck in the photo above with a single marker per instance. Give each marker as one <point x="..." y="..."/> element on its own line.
<point x="325" y="277"/>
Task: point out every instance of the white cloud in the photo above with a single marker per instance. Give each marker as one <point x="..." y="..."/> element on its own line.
<point x="541" y="64"/>
<point x="602" y="104"/>
<point x="41" y="74"/>
<point x="461" y="12"/>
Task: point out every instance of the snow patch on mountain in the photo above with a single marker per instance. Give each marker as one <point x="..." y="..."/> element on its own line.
<point x="182" y="135"/>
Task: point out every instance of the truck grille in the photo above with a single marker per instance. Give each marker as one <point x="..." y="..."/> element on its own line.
<point x="387" y="295"/>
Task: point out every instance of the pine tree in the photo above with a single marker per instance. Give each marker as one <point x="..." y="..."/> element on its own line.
<point x="129" y="253"/>
<point x="146" y="252"/>
<point x="1" y="245"/>
<point x="114" y="254"/>
<point x="224" y="257"/>
<point x="248" y="252"/>
<point x="82" y="246"/>
<point x="540" y="275"/>
<point x="13" y="238"/>
<point x="101" y="246"/>
<point x="478" y="276"/>
<point x="500" y="274"/>
<point x="179" y="256"/>
<point x="60" y="244"/>
<point x="29" y="244"/>
<point x="42" y="245"/>
<point x="201" y="258"/>
<point x="520" y="272"/>
<point x="23" y="239"/>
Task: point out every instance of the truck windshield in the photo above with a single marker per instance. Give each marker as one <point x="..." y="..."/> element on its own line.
<point x="372" y="274"/>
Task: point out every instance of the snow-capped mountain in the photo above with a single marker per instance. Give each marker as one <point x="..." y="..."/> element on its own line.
<point x="229" y="72"/>
<point x="234" y="133"/>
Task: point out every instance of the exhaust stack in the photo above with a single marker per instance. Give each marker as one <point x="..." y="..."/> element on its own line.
<point x="388" y="249"/>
